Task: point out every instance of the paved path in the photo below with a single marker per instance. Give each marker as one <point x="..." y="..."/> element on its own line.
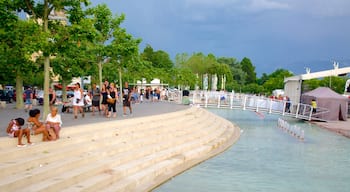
<point x="341" y="127"/>
<point x="139" y="110"/>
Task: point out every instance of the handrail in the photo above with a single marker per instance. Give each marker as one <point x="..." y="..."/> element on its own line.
<point x="257" y="103"/>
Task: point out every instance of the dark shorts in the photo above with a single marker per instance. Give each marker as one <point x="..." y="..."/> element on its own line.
<point x="126" y="102"/>
<point x="96" y="103"/>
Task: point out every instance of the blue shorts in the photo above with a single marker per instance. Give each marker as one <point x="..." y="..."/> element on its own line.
<point x="28" y="102"/>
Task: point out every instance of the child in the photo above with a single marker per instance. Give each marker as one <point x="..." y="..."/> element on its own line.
<point x="15" y="129"/>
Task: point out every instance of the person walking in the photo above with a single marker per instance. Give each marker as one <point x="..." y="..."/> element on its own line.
<point x="126" y="98"/>
<point x="104" y="104"/>
<point x="52" y="96"/>
<point x="78" y="101"/>
<point x="112" y="100"/>
<point x="95" y="94"/>
<point x="28" y="94"/>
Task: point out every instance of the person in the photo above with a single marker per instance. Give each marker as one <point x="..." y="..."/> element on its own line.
<point x="37" y="126"/>
<point x="112" y="94"/>
<point x="126" y="98"/>
<point x="96" y="96"/>
<point x="314" y="105"/>
<point x="52" y="96"/>
<point x="53" y="123"/>
<point x="104" y="103"/>
<point x="287" y="99"/>
<point x="14" y="129"/>
<point x="28" y="94"/>
<point x="78" y="101"/>
<point x="106" y="83"/>
<point x="87" y="102"/>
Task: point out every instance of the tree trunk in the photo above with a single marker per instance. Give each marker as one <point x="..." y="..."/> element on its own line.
<point x="64" y="91"/>
<point x="19" y="92"/>
<point x="46" y="62"/>
<point x="120" y="84"/>
<point x="100" y="74"/>
<point x="46" y="86"/>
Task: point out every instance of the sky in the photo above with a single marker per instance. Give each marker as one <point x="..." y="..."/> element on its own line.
<point x="273" y="34"/>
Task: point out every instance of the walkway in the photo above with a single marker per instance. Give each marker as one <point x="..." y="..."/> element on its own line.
<point x="135" y="154"/>
<point x="140" y="110"/>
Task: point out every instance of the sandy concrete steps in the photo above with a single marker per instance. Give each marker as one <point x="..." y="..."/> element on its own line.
<point x="92" y="133"/>
<point x="127" y="163"/>
<point x="99" y="182"/>
<point x="6" y="143"/>
<point x="61" y="154"/>
<point x="130" y="155"/>
<point x="148" y="176"/>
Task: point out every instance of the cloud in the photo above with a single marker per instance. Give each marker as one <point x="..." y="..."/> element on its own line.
<point x="324" y="8"/>
<point x="261" y="5"/>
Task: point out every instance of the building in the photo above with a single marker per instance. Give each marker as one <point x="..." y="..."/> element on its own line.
<point x="293" y="85"/>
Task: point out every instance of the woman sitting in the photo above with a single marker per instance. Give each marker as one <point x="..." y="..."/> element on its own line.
<point x="37" y="126"/>
<point x="54" y="122"/>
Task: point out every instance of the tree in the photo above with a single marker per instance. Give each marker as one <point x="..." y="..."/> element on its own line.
<point x="123" y="51"/>
<point x="43" y="13"/>
<point x="249" y="69"/>
<point x="105" y="25"/>
<point x="275" y="80"/>
<point x="159" y="59"/>
<point x="17" y="46"/>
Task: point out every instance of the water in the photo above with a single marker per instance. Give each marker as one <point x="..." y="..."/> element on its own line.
<point x="266" y="158"/>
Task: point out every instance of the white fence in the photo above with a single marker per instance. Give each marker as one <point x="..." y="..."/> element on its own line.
<point x="256" y="103"/>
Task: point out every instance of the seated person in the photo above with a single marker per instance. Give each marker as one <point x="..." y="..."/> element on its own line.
<point x="67" y="105"/>
<point x="87" y="102"/>
<point x="54" y="123"/>
<point x="15" y="129"/>
<point x="37" y="126"/>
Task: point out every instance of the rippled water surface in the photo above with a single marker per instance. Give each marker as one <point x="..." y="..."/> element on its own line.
<point x="266" y="158"/>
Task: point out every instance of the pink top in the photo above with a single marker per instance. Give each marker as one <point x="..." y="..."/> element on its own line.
<point x="14" y="128"/>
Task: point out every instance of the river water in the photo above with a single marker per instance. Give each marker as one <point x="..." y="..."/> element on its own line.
<point x="266" y="158"/>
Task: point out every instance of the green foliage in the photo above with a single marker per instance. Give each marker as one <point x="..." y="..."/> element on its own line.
<point x="159" y="59"/>
<point x="253" y="88"/>
<point x="249" y="69"/>
<point x="335" y="83"/>
<point x="275" y="80"/>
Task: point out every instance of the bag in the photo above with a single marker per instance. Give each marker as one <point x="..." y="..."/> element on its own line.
<point x="111" y="100"/>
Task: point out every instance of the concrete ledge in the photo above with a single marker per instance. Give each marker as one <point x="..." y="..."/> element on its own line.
<point x="135" y="154"/>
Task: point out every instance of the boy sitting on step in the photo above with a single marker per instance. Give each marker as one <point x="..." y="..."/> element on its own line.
<point x="15" y="129"/>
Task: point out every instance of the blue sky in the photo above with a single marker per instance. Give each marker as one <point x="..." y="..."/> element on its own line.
<point x="289" y="34"/>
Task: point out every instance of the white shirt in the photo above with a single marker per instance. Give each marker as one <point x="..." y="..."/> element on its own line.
<point x="56" y="119"/>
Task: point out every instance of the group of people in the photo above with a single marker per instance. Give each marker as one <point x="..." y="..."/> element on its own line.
<point x="30" y="98"/>
<point x="103" y="100"/>
<point x="50" y="128"/>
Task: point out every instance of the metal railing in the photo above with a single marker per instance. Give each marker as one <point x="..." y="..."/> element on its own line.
<point x="255" y="103"/>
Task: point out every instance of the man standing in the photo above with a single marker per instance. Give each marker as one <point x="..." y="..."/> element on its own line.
<point x="126" y="98"/>
<point x="95" y="95"/>
<point x="28" y="99"/>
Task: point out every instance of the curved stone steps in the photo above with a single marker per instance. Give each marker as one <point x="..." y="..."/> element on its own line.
<point x="102" y="180"/>
<point x="83" y="173"/>
<point x="129" y="155"/>
<point x="145" y="179"/>
<point x="112" y="150"/>
<point x="68" y="132"/>
<point x="69" y="146"/>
